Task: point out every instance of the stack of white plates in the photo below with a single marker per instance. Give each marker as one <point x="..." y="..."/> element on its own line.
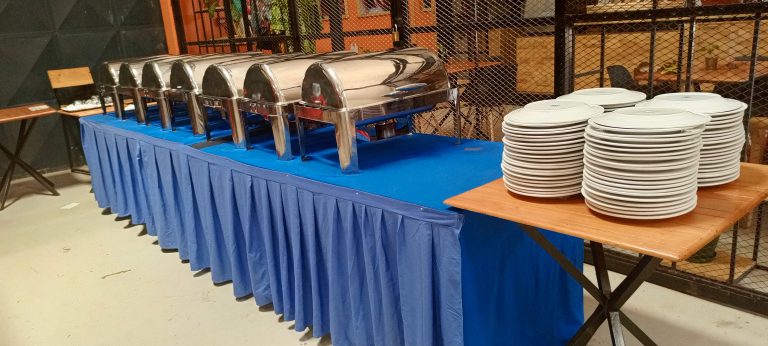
<point x="610" y="99"/>
<point x="723" y="138"/>
<point x="641" y="163"/>
<point x="543" y="147"/>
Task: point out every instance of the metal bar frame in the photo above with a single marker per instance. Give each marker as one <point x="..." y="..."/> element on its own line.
<point x="25" y="129"/>
<point x="609" y="302"/>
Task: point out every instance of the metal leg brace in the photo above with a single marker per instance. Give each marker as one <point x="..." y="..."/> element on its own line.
<point x="609" y="302"/>
<point x="25" y="128"/>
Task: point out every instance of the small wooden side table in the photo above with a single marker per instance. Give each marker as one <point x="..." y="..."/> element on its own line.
<point x="28" y="116"/>
<point x="674" y="239"/>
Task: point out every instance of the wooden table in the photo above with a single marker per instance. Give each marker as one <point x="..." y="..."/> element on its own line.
<point x="723" y="74"/>
<point x="675" y="239"/>
<point x="456" y="66"/>
<point x="28" y="116"/>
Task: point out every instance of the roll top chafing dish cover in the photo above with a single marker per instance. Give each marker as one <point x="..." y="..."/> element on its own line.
<point x="187" y="76"/>
<point x="270" y="90"/>
<point x="108" y="78"/>
<point x="222" y="89"/>
<point x="372" y="88"/>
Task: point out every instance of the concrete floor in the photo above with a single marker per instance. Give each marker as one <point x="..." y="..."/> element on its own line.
<point x="72" y="276"/>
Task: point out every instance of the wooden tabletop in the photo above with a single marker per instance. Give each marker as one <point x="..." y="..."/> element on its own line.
<point x="456" y="66"/>
<point x="672" y="239"/>
<point x="25" y="112"/>
<point x="723" y="74"/>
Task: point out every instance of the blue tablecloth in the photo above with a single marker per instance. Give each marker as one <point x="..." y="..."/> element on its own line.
<point x="374" y="258"/>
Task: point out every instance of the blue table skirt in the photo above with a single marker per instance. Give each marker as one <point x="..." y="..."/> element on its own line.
<point x="374" y="258"/>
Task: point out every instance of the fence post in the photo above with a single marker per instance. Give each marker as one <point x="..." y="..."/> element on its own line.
<point x="563" y="51"/>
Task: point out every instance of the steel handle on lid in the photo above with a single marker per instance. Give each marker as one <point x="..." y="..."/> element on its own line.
<point x="407" y="88"/>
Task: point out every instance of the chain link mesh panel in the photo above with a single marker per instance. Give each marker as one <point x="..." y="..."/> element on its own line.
<point x="499" y="53"/>
<point x="721" y="49"/>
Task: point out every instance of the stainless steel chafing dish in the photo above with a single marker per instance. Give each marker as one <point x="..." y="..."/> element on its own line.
<point x="186" y="85"/>
<point x="271" y="89"/>
<point x="222" y="89"/>
<point x="107" y="80"/>
<point x="129" y="82"/>
<point x="155" y="83"/>
<point x="372" y="89"/>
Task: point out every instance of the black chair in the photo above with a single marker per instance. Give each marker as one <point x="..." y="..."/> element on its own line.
<point x="490" y="91"/>
<point x="621" y="78"/>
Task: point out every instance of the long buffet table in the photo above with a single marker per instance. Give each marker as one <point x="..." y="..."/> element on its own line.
<point x="374" y="258"/>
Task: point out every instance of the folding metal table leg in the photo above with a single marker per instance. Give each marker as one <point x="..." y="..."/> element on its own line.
<point x="609" y="302"/>
<point x="25" y="128"/>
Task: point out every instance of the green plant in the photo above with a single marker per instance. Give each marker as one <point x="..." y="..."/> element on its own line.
<point x="710" y="50"/>
<point x="236" y="9"/>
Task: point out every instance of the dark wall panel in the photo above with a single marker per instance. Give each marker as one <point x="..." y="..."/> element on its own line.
<point x="40" y="35"/>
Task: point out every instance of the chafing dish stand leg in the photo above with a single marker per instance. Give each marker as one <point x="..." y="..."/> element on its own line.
<point x="302" y="138"/>
<point x="103" y="102"/>
<point x="456" y="105"/>
<point x="346" y="142"/>
<point x="163" y="105"/>
<point x="238" y="124"/>
<point x="119" y="104"/>
<point x="281" y="131"/>
<point x="198" y="115"/>
<point x="140" y="109"/>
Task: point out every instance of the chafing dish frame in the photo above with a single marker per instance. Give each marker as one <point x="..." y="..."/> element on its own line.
<point x="345" y="121"/>
<point x="281" y="114"/>
<point x="195" y="109"/>
<point x="230" y="106"/>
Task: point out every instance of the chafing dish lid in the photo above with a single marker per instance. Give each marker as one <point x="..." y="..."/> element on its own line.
<point x="225" y="80"/>
<point x="156" y="74"/>
<point x="374" y="79"/>
<point x="280" y="81"/>
<point x="107" y="73"/>
<point x="130" y="72"/>
<point x="188" y="75"/>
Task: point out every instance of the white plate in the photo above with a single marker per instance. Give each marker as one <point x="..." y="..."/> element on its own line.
<point x="635" y="185"/>
<point x="642" y="138"/>
<point x="655" y="132"/>
<point x="532" y="151"/>
<point x="543" y="130"/>
<point x="642" y="176"/>
<point x="642" y="156"/>
<point x="541" y="178"/>
<point x="642" y="145"/>
<point x="720" y="173"/>
<point x="638" y="207"/>
<point x="541" y="194"/>
<point x="550" y="113"/>
<point x="543" y="184"/>
<point x="645" y="216"/>
<point x="539" y="187"/>
<point x="576" y="155"/>
<point x="520" y="171"/>
<point x="606" y="97"/>
<point x="642" y="198"/>
<point x="650" y="119"/>
<point x="644" y="166"/>
<point x="547" y="165"/>
<point x="611" y="202"/>
<point x="697" y="102"/>
<point x="725" y="179"/>
<point x="621" y="191"/>
<point x="511" y="142"/>
<point x="545" y="138"/>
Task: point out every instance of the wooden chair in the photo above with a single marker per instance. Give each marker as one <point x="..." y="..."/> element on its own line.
<point x="69" y="85"/>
